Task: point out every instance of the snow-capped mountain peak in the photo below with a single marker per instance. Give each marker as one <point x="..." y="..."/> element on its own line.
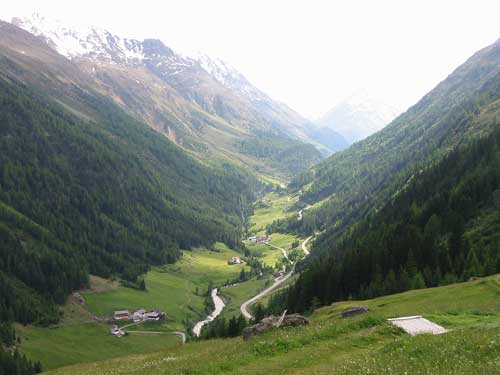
<point x="75" y="41"/>
<point x="229" y="76"/>
<point x="358" y="116"/>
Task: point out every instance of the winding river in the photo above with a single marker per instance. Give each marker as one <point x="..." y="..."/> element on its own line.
<point x="219" y="306"/>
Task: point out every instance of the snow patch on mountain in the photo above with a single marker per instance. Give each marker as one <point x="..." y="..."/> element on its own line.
<point x="358" y="116"/>
<point x="78" y="41"/>
<point x="229" y="77"/>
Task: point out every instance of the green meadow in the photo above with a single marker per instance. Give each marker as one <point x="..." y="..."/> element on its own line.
<point x="272" y="207"/>
<point x="173" y="288"/>
<point x="364" y="344"/>
<point x="235" y="295"/>
<point x="176" y="289"/>
<point x="88" y="342"/>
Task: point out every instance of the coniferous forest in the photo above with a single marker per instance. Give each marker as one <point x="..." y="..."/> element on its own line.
<point x="107" y="198"/>
<point x="118" y="157"/>
<point x="442" y="227"/>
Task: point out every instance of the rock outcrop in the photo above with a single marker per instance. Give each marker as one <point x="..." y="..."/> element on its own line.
<point x="271" y="322"/>
<point x="355" y="310"/>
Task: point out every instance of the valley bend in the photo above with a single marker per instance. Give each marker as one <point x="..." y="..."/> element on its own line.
<point x="249" y="187"/>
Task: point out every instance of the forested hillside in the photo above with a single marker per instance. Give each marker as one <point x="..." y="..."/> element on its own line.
<point x="362" y="178"/>
<point x="107" y="197"/>
<point x="204" y="106"/>
<point x="442" y="227"/>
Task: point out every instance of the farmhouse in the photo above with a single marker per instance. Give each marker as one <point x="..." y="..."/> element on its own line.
<point x="259" y="239"/>
<point x="122" y="315"/>
<point x="116" y="331"/>
<point x="234" y="260"/>
<point x="139" y="315"/>
<point x="153" y="315"/>
<point x="262" y="239"/>
<point x="279" y="273"/>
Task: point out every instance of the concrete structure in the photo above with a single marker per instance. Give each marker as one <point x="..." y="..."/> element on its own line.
<point x="416" y="325"/>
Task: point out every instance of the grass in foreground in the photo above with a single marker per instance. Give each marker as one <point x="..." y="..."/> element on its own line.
<point x="86" y="343"/>
<point x="365" y="344"/>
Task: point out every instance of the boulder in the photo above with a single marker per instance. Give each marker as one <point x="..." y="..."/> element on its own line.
<point x="271" y="322"/>
<point x="355" y="310"/>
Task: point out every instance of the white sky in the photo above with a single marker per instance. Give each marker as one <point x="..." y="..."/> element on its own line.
<point x="309" y="54"/>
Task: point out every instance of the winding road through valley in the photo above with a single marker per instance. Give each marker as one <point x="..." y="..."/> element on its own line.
<point x="276" y="284"/>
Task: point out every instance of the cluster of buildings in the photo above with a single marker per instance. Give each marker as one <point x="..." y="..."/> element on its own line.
<point x="259" y="239"/>
<point x="139" y="315"/>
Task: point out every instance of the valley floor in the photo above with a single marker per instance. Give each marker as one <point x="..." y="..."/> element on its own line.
<point x="365" y="344"/>
<point x="178" y="289"/>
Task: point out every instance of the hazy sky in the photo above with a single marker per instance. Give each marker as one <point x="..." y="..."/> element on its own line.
<point x="308" y="54"/>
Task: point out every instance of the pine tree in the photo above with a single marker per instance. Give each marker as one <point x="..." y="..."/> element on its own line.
<point x="259" y="313"/>
<point x="472" y="266"/>
<point x="418" y="281"/>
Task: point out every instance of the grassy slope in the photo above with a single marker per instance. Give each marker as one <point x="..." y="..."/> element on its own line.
<point x="278" y="204"/>
<point x="86" y="343"/>
<point x="363" y="344"/>
<point x="171" y="288"/>
<point x="277" y="208"/>
<point x="236" y="295"/>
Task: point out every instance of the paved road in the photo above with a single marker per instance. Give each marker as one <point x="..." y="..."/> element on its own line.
<point x="276" y="284"/>
<point x="304" y="248"/>
<point x="301" y="211"/>
<point x="251" y="301"/>
<point x="282" y="250"/>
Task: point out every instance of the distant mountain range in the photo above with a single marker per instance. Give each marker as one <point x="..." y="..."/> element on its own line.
<point x="357" y="117"/>
<point x="358" y="180"/>
<point x="202" y="104"/>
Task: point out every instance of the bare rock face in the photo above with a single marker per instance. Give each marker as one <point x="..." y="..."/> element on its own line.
<point x="355" y="310"/>
<point x="271" y="322"/>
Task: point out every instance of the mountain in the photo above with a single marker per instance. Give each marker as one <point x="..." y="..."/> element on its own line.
<point x="85" y="187"/>
<point x="356" y="181"/>
<point x="414" y="205"/>
<point x="201" y="104"/>
<point x="440" y="228"/>
<point x="328" y="137"/>
<point x="358" y="116"/>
